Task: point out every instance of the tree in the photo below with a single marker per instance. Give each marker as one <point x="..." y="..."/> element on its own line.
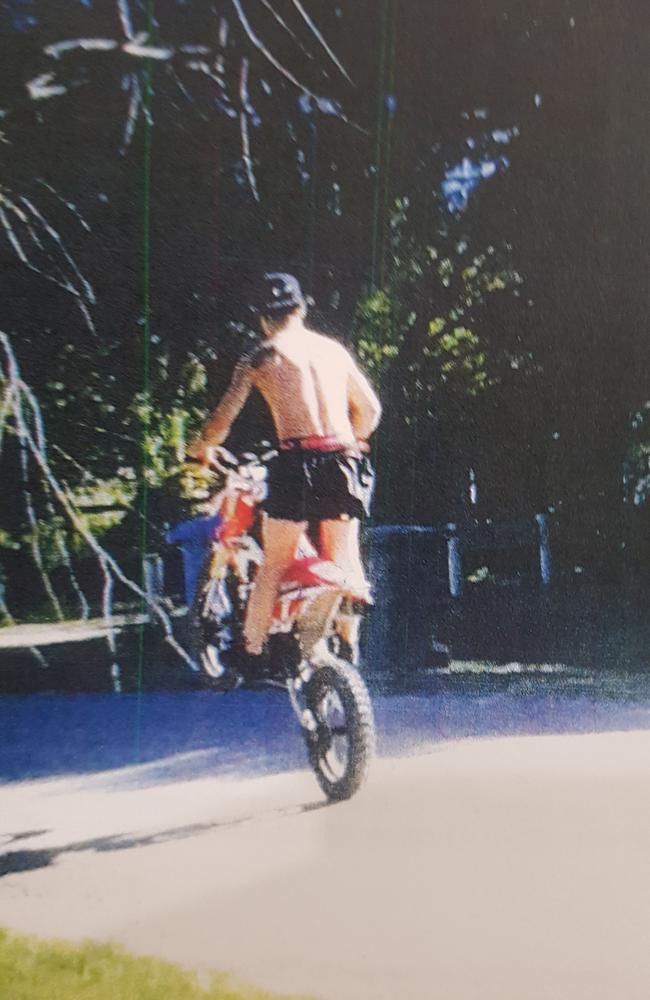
<point x="132" y="388"/>
<point x="440" y="353"/>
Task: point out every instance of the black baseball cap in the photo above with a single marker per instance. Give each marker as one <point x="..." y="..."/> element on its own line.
<point x="277" y="292"/>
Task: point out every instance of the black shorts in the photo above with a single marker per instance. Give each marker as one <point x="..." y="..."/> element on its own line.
<point x="318" y="486"/>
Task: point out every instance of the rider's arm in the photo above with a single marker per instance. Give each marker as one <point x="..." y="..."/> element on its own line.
<point x="217" y="428"/>
<point x="363" y="404"/>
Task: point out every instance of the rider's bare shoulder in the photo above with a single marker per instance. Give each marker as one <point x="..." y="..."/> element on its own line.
<point x="329" y="346"/>
<point x="257" y="356"/>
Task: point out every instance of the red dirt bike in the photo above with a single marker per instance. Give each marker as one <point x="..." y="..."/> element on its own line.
<point x="313" y="639"/>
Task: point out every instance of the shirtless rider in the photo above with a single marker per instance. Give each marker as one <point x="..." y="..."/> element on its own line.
<point x="324" y="411"/>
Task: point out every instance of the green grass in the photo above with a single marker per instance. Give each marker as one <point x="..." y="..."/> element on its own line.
<point x="31" y="969"/>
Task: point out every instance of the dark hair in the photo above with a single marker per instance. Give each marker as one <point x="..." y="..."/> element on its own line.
<point x="278" y="315"/>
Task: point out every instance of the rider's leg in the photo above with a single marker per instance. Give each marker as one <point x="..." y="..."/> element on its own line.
<point x="280" y="541"/>
<point x="339" y="541"/>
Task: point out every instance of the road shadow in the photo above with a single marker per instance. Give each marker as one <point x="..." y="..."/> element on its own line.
<point x="130" y="741"/>
<point x="12" y="838"/>
<point x="17" y="862"/>
<point x="177" y="735"/>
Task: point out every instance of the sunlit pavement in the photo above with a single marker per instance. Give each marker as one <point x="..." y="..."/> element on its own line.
<point x="186" y="825"/>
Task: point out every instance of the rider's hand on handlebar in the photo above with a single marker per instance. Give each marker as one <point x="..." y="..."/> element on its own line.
<point x="214" y="457"/>
<point x="199" y="451"/>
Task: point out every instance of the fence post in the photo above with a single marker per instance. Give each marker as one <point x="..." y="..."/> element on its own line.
<point x="153" y="576"/>
<point x="454" y="561"/>
<point x="545" y="564"/>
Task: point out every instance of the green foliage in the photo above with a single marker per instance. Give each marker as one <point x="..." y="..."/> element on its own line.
<point x="105" y="482"/>
<point x="7" y="541"/>
<point x="38" y="970"/>
<point x="166" y="417"/>
<point x="49" y="532"/>
<point x="636" y="467"/>
<point x="441" y="337"/>
<point x="379" y="338"/>
<point x="458" y="357"/>
<point x="429" y="317"/>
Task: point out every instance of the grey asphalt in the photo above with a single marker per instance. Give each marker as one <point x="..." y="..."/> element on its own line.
<point x="498" y="852"/>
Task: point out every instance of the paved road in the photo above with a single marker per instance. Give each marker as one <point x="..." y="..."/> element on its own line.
<point x="194" y="734"/>
<point x="514" y="866"/>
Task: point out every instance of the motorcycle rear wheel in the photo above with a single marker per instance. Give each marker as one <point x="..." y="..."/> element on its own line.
<point x="343" y="743"/>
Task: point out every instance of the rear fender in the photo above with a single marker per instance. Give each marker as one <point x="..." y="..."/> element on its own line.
<point x="312" y="571"/>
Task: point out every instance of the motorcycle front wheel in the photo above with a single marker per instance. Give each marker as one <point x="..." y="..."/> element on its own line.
<point x="342" y="743"/>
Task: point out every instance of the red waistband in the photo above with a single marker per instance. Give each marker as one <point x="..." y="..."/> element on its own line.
<point x="317" y="442"/>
